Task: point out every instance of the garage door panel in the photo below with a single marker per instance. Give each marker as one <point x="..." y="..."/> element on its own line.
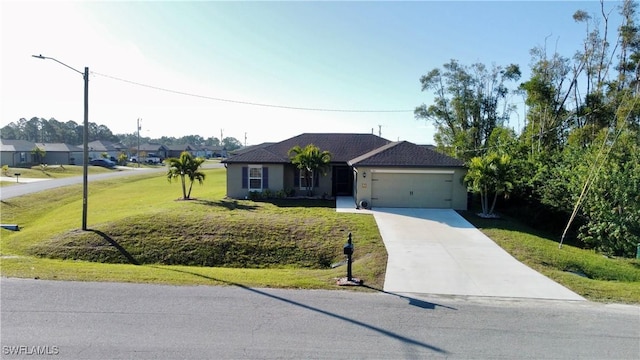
<point x="412" y="190"/>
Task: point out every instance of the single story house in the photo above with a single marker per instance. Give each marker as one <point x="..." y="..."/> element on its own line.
<point x="61" y="154"/>
<point x="214" y="151"/>
<point x="99" y="147"/>
<point x="374" y="171"/>
<point x="158" y="150"/>
<point x="20" y="153"/>
<point x="174" y="151"/>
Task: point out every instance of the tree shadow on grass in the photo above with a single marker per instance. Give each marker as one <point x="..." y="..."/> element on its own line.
<point x="302" y="202"/>
<point x="379" y="330"/>
<point x="230" y="205"/>
<point x="115" y="244"/>
<point x="7" y="203"/>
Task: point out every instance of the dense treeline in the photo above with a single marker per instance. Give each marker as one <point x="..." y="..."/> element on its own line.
<point x="53" y="131"/>
<point x="577" y="160"/>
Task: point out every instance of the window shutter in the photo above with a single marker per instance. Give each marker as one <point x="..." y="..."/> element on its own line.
<point x="245" y="177"/>
<point x="296" y="178"/>
<point x="265" y="177"/>
<point x="316" y="179"/>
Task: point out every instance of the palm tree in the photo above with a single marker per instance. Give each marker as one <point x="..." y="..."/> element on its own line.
<point x="185" y="166"/>
<point x="310" y="159"/>
<point x="490" y="173"/>
<point x="39" y="154"/>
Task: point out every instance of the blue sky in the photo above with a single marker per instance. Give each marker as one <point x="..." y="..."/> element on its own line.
<point x="320" y="55"/>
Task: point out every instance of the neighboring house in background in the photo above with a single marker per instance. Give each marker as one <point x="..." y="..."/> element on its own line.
<point x="18" y="153"/>
<point x="174" y="151"/>
<point x="214" y="151"/>
<point x="374" y="171"/>
<point x="61" y="154"/>
<point x="158" y="150"/>
<point x="99" y="147"/>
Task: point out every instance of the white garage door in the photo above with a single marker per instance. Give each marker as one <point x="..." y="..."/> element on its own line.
<point x="412" y="189"/>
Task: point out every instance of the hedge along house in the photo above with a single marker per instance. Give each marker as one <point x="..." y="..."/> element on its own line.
<point x="371" y="169"/>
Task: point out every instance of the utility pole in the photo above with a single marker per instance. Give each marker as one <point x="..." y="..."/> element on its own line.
<point x="245" y="139"/>
<point x="138" y="151"/>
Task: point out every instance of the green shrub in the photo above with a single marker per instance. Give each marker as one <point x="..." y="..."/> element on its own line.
<point x="267" y="194"/>
<point x="254" y="195"/>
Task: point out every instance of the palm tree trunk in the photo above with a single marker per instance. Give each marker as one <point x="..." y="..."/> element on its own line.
<point x="495" y="198"/>
<point x="483" y="200"/>
<point x="184" y="189"/>
<point x="190" y="187"/>
<point x="306" y="176"/>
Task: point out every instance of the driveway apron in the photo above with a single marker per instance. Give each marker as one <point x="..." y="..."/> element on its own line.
<point x="436" y="251"/>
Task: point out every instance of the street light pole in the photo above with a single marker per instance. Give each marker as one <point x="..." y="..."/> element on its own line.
<point x="85" y="138"/>
<point x="85" y="151"/>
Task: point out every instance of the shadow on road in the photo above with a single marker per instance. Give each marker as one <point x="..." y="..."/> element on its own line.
<point x="413" y="301"/>
<point x="379" y="330"/>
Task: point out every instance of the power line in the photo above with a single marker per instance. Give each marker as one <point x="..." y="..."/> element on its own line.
<point x="240" y="102"/>
<point x="595" y="169"/>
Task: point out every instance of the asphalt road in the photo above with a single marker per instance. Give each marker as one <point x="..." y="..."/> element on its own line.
<point x="74" y="320"/>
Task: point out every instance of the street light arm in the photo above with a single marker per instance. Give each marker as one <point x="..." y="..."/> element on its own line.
<point x="59" y="62"/>
<point x="85" y="137"/>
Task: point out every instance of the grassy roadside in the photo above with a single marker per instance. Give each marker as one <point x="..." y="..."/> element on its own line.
<point x="592" y="275"/>
<point x="281" y="244"/>
<point x="48" y="172"/>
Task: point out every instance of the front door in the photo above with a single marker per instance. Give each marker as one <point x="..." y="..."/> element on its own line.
<point x="342" y="181"/>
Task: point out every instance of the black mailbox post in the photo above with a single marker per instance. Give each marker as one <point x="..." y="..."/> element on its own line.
<point x="348" y="250"/>
<point x="349" y="280"/>
<point x="17" y="175"/>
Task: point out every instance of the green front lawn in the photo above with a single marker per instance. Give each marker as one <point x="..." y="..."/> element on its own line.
<point x="288" y="243"/>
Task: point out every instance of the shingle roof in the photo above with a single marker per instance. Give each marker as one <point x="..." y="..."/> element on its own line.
<point x="181" y="147"/>
<point x="151" y="147"/>
<point x="246" y="149"/>
<point x="342" y="147"/>
<point x="100" y="145"/>
<point x="405" y="154"/>
<point x="58" y="147"/>
<point x="16" y="145"/>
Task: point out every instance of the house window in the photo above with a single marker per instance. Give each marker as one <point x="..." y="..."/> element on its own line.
<point x="255" y="178"/>
<point x="306" y="182"/>
<point x="23" y="157"/>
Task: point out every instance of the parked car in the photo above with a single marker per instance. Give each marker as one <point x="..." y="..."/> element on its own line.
<point x="149" y="159"/>
<point x="103" y="162"/>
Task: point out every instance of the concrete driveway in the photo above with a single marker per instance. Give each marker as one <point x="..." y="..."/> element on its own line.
<point x="436" y="251"/>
